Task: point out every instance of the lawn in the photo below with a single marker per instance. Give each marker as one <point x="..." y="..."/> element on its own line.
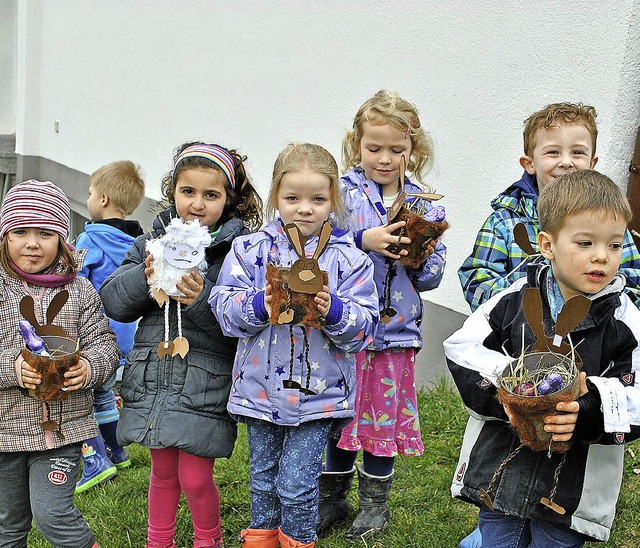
<point x="423" y="513"/>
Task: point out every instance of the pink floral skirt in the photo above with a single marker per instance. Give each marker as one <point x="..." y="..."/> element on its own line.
<point x="386" y="422"/>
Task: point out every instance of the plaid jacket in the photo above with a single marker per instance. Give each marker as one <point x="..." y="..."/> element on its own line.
<point x="497" y="261"/>
<point x="21" y="416"/>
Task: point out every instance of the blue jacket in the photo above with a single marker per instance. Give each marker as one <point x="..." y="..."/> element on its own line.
<point x="265" y="356"/>
<point x="364" y="203"/>
<point x="496" y="254"/>
<point x="106" y="246"/>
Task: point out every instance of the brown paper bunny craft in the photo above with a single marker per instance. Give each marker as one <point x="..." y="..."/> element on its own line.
<point x="410" y="208"/>
<point x="542" y="376"/>
<point x="61" y="353"/>
<point x="293" y="291"/>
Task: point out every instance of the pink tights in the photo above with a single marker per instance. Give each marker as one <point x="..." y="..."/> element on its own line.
<point x="173" y="471"/>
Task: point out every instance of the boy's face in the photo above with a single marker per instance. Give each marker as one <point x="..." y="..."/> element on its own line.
<point x="586" y="252"/>
<point x="95" y="203"/>
<point x="561" y="149"/>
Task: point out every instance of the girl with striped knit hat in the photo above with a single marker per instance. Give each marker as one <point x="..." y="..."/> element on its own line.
<point x="41" y="431"/>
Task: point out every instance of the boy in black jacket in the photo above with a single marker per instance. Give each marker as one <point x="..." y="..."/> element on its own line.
<point x="583" y="218"/>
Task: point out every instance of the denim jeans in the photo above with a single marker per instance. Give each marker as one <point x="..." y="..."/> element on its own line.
<point x="285" y="465"/>
<point x="502" y="531"/>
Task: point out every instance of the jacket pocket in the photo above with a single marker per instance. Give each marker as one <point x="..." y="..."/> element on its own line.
<point x="134" y="387"/>
<point x="206" y="385"/>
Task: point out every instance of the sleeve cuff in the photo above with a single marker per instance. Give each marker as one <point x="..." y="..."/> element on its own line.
<point x="335" y="311"/>
<point x="357" y="237"/>
<point x="259" y="309"/>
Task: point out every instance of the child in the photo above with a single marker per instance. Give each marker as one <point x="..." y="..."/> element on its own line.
<point x="287" y="424"/>
<point x="176" y="405"/>
<point x="385" y="128"/>
<point x="40" y="441"/>
<point x="583" y="218"/>
<point x="559" y="139"/>
<point x="115" y="191"/>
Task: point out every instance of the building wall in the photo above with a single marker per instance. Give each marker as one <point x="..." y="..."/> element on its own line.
<point x="135" y="79"/>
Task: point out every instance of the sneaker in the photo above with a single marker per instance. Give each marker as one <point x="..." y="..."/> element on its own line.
<point x="96" y="466"/>
<point x="119" y="457"/>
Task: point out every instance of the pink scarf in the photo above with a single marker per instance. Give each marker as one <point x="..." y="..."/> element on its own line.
<point x="45" y="280"/>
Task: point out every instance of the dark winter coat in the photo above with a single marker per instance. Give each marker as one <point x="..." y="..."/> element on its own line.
<point x="171" y="401"/>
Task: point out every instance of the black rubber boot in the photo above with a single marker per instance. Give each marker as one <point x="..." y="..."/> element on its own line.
<point x="334" y="506"/>
<point x="373" y="515"/>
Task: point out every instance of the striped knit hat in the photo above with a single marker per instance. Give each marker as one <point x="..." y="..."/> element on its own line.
<point x="39" y="204"/>
<point x="214" y="153"/>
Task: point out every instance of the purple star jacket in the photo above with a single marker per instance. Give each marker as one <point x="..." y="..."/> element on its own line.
<point x="403" y="285"/>
<point x="269" y="370"/>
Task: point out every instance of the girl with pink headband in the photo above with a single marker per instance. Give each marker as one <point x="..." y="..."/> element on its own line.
<point x="176" y="404"/>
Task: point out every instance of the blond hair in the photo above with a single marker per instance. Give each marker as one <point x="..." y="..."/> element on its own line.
<point x="585" y="190"/>
<point x="297" y="156"/>
<point x="122" y="182"/>
<point x="387" y="107"/>
<point x="554" y="114"/>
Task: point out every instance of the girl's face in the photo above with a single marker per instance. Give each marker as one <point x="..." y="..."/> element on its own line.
<point x="32" y="249"/>
<point x="381" y="148"/>
<point x="304" y="199"/>
<point x="201" y="194"/>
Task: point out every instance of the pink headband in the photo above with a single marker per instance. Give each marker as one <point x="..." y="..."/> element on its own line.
<point x="214" y="153"/>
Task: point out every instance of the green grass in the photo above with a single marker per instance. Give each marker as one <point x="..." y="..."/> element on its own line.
<point x="423" y="513"/>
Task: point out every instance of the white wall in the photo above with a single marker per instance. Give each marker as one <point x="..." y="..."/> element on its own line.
<point x="136" y="79"/>
<point x="7" y="67"/>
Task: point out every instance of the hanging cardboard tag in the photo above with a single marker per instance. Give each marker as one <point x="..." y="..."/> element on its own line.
<point x="49" y="426"/>
<point x="486" y="498"/>
<point x="165" y="348"/>
<point x="552" y="506"/>
<point x="286" y="316"/>
<point x="180" y="346"/>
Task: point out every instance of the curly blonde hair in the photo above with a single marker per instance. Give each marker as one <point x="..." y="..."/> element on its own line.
<point x="387" y="107"/>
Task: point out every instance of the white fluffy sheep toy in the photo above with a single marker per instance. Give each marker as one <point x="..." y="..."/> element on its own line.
<point x="179" y="251"/>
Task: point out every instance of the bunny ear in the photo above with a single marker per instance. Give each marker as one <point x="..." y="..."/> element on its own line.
<point x="573" y="312"/>
<point x="323" y="240"/>
<point x="27" y="309"/>
<point x="522" y="239"/>
<point x="402" y="169"/>
<point x="56" y="304"/>
<point x="296" y="238"/>
<point x="426" y="195"/>
<point x="532" y="306"/>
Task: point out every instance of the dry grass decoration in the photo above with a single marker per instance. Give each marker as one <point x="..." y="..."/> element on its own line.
<point x="422" y="226"/>
<point x="61" y="353"/>
<point x="533" y="384"/>
<point x="293" y="291"/>
<point x="180" y="250"/>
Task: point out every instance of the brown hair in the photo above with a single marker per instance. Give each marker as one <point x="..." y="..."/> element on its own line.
<point x="387" y="107"/>
<point x="585" y="190"/>
<point x="242" y="202"/>
<point x="122" y="182"/>
<point x="555" y="113"/>
<point x="297" y="156"/>
<point x="64" y="263"/>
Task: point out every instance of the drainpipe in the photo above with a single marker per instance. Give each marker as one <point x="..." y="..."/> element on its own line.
<point x="633" y="191"/>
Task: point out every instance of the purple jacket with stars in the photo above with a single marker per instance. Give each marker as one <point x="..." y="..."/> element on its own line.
<point x="263" y="359"/>
<point x="367" y="210"/>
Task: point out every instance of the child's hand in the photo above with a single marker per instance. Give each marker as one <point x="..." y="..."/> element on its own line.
<point x="267" y="299"/>
<point x="323" y="301"/>
<point x="76" y="376"/>
<point x="379" y="238"/>
<point x="564" y="424"/>
<point x="148" y="261"/>
<point x="429" y="248"/>
<point x="192" y="285"/>
<point x="30" y="378"/>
